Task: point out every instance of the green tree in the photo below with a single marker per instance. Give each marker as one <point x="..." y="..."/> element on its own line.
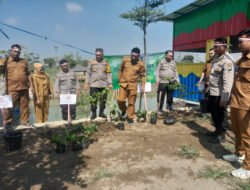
<point x="49" y="61"/>
<point x="3" y="53"/>
<point x="85" y="63"/>
<point x="188" y="59"/>
<point x="71" y="59"/>
<point x="145" y="13"/>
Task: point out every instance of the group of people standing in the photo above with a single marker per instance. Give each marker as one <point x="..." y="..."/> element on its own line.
<point x="226" y="82"/>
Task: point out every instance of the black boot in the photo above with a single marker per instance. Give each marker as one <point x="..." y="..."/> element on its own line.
<point x="130" y="120"/>
<point x="170" y="107"/>
<point x="101" y="114"/>
<point x="212" y="133"/>
<point x="218" y="139"/>
<point x="93" y="116"/>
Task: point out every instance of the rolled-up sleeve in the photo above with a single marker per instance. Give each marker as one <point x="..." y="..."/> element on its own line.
<point x="176" y="73"/>
<point x="88" y="73"/>
<point x="228" y="78"/>
<point x="157" y="70"/>
<point x="109" y="74"/>
<point x="57" y="90"/>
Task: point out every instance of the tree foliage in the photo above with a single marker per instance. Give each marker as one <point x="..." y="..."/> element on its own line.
<point x="3" y="53"/>
<point x="188" y="59"/>
<point x="49" y="61"/>
<point x="75" y="59"/>
<point x="145" y="13"/>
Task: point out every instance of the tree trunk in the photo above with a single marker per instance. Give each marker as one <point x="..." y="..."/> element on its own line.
<point x="145" y="47"/>
<point x="145" y="33"/>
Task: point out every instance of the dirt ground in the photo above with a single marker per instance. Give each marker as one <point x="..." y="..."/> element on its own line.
<point x="142" y="157"/>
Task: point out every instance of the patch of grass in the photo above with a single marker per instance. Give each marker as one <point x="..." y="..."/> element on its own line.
<point x="212" y="173"/>
<point x="101" y="174"/>
<point x="241" y="185"/>
<point x="204" y="118"/>
<point x="189" y="152"/>
<point x="229" y="148"/>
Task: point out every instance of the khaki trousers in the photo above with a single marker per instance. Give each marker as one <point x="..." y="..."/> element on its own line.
<point x="42" y="110"/>
<point x="241" y="128"/>
<point x="131" y="94"/>
<point x="21" y="97"/>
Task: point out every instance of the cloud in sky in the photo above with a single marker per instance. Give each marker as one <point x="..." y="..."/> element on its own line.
<point x="73" y="7"/>
<point x="59" y="28"/>
<point x="11" y="21"/>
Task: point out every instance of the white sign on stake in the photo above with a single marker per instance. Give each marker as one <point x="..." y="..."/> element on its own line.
<point x="67" y="99"/>
<point x="147" y="87"/>
<point x="6" y="101"/>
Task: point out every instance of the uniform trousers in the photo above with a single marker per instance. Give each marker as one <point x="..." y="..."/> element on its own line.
<point x="102" y="99"/>
<point x="219" y="114"/>
<point x="131" y="94"/>
<point x="163" y="89"/>
<point x="65" y="111"/>
<point x="20" y="97"/>
<point x="42" y="110"/>
<point x="241" y="127"/>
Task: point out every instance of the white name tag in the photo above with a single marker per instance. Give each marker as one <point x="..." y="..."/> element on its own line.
<point x="6" y="101"/>
<point x="147" y="87"/>
<point x="67" y="99"/>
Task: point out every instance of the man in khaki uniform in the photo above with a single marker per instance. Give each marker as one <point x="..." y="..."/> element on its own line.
<point x="206" y="70"/>
<point x="17" y="84"/>
<point x="99" y="77"/>
<point x="240" y="109"/>
<point x="130" y="70"/>
<point x="67" y="83"/>
<point x="166" y="68"/>
<point x="43" y="92"/>
<point x="219" y="89"/>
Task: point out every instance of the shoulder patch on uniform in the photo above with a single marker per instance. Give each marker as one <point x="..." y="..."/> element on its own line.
<point x="230" y="65"/>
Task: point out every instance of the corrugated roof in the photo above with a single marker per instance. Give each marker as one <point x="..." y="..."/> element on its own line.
<point x="187" y="9"/>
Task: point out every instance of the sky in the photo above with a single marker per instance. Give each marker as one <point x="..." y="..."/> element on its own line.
<point x="86" y="24"/>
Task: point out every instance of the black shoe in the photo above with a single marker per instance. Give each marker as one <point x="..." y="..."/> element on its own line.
<point x="212" y="133"/>
<point x="101" y="114"/>
<point x="93" y="116"/>
<point x="218" y="139"/>
<point x="9" y="127"/>
<point x="130" y="121"/>
<point x="170" y="107"/>
<point x="160" y="110"/>
<point x="123" y="116"/>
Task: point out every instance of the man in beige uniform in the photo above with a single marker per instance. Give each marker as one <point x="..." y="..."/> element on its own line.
<point x="166" y="68"/>
<point x="99" y="77"/>
<point x="219" y="89"/>
<point x="130" y="70"/>
<point x="67" y="83"/>
<point x="206" y="70"/>
<point x="17" y="84"/>
<point x="240" y="109"/>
